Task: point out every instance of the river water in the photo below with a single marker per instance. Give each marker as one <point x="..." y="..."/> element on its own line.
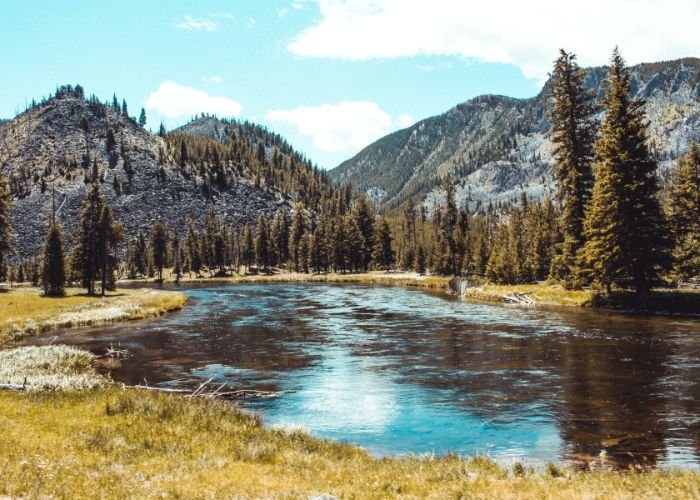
<point x="402" y="371"/>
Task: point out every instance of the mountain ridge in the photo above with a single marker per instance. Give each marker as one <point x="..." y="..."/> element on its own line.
<point x="496" y="146"/>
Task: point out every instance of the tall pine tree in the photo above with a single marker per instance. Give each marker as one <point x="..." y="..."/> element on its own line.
<point x="624" y="227"/>
<point x="573" y="134"/>
<point x="54" y="274"/>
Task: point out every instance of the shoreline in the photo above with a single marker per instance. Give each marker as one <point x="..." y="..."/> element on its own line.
<point x="166" y="445"/>
<point x="24" y="312"/>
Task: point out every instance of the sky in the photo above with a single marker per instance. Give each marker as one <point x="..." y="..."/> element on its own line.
<point x="331" y="76"/>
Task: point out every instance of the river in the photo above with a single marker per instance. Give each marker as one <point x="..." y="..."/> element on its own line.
<point x="402" y="371"/>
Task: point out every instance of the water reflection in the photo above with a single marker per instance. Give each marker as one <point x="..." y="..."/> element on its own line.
<point x="400" y="371"/>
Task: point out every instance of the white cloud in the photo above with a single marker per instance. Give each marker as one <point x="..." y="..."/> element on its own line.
<point x="282" y="12"/>
<point x="191" y="23"/>
<point x="172" y="100"/>
<point x="404" y="120"/>
<point x="250" y="22"/>
<point x="212" y="79"/>
<point x="345" y="127"/>
<point x="224" y="15"/>
<point x="526" y="34"/>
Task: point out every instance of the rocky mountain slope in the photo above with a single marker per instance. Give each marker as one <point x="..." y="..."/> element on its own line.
<point x="61" y="141"/>
<point x="497" y="147"/>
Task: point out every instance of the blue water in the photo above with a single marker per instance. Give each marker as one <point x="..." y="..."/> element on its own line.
<point x="402" y="371"/>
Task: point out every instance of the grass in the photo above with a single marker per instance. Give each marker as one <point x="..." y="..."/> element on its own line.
<point x="116" y="443"/>
<point x="541" y="294"/>
<point x="370" y="278"/>
<point x="659" y="301"/>
<point x="50" y="368"/>
<point x="24" y="311"/>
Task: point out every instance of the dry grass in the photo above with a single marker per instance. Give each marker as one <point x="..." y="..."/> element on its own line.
<point x="369" y="278"/>
<point x="541" y="294"/>
<point x="50" y="368"/>
<point x="116" y="443"/>
<point x="23" y="311"/>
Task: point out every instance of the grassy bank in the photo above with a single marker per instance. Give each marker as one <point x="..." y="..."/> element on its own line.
<point x="134" y="444"/>
<point x="23" y="311"/>
<point x="659" y="301"/>
<point x="540" y="294"/>
<point x="369" y="278"/>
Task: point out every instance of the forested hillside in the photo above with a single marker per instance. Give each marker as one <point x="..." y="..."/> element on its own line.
<point x="497" y="147"/>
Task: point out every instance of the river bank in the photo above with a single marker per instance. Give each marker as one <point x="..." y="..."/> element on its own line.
<point x="142" y="444"/>
<point x="660" y="301"/>
<point x="24" y="311"/>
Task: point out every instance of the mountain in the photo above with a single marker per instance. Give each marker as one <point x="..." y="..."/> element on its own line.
<point x="62" y="140"/>
<point x="497" y="147"/>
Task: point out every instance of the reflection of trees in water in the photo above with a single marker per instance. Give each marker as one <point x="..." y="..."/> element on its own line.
<point x="610" y="401"/>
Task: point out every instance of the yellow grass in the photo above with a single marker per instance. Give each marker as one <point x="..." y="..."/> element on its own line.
<point x="23" y="311"/>
<point x="370" y="278"/>
<point x="541" y="294"/>
<point x="115" y="443"/>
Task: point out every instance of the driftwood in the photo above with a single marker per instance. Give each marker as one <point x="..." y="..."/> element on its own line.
<point x="14" y="387"/>
<point x="519" y="298"/>
<point x="218" y="393"/>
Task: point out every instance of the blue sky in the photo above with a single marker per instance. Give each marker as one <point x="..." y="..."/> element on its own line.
<point x="329" y="75"/>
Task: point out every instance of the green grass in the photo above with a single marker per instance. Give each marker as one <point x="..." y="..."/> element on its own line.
<point x="24" y="311"/>
<point x="116" y="443"/>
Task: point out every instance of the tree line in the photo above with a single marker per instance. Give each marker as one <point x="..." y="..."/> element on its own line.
<point x="606" y="226"/>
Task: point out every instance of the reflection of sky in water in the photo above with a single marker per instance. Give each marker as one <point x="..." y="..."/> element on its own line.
<point x="402" y="371"/>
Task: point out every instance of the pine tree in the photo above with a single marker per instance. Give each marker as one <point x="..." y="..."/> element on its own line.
<point x="85" y="258"/>
<point x="6" y="233"/>
<point x="54" y="274"/>
<point x="624" y="227"/>
<point x="262" y="243"/>
<point x="364" y="215"/>
<point x="109" y="235"/>
<point x="295" y="234"/>
<point x="247" y="246"/>
<point x="142" y="118"/>
<point x="193" y="249"/>
<point x="383" y="254"/>
<point x="572" y="133"/>
<point x="175" y="250"/>
<point x="420" y="260"/>
<point x="448" y="222"/>
<point x="684" y="215"/>
<point x="159" y="246"/>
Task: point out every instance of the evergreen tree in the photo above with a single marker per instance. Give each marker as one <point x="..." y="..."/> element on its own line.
<point x="109" y="236"/>
<point x="54" y="275"/>
<point x="175" y="249"/>
<point x="364" y="215"/>
<point x="448" y="223"/>
<point x="572" y="133"/>
<point x="420" y="260"/>
<point x="383" y="253"/>
<point x="6" y="233"/>
<point x="159" y="246"/>
<point x="85" y="258"/>
<point x="624" y="226"/>
<point x="295" y="234"/>
<point x="262" y="243"/>
<point x="247" y="246"/>
<point x="142" y="118"/>
<point x="193" y="249"/>
<point x="684" y="215"/>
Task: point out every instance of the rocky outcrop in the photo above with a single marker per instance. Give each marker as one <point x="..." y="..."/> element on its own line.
<point x="58" y="144"/>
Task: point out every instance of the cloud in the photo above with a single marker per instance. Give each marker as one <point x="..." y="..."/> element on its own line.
<point x="526" y="34"/>
<point x="191" y="23"/>
<point x="404" y="120"/>
<point x="340" y="128"/>
<point x="212" y="79"/>
<point x="282" y="12"/>
<point x="172" y="100"/>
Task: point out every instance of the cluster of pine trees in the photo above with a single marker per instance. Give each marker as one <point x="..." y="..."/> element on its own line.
<point x="606" y="226"/>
